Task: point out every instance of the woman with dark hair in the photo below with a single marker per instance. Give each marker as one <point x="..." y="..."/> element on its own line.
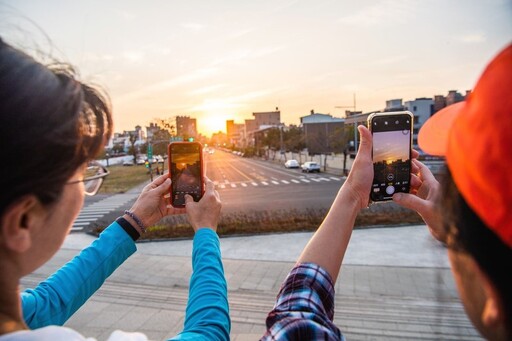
<point x="58" y="125"/>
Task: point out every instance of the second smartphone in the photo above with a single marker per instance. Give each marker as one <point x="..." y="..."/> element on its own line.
<point x="392" y="147"/>
<point x="186" y="171"/>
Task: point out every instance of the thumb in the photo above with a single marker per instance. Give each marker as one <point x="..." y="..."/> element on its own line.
<point x="188" y="199"/>
<point x="365" y="148"/>
<point x="411" y="201"/>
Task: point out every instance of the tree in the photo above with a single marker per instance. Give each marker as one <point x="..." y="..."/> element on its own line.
<point x="133" y="149"/>
<point x="272" y="140"/>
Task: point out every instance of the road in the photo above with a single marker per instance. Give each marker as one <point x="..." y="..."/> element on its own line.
<point x="249" y="184"/>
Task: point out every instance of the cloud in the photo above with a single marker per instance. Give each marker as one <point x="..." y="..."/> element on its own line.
<point x="383" y="12"/>
<point x="207" y="89"/>
<point x="473" y="38"/>
<point x="192" y="26"/>
<point x="167" y="84"/>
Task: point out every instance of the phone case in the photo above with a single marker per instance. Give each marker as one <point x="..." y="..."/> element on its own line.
<point x="176" y="196"/>
<point x="392" y="173"/>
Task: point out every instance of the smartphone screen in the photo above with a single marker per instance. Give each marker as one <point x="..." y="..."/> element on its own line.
<point x="391" y="154"/>
<point x="186" y="171"/>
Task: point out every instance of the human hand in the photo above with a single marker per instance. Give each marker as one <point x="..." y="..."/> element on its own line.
<point x="423" y="197"/>
<point x="359" y="180"/>
<point x="205" y="212"/>
<point x="153" y="203"/>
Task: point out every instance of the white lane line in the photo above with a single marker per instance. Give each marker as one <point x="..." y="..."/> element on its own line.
<point x="324" y="179"/>
<point x="243" y="184"/>
<point x="233" y="185"/>
<point x="304" y="180"/>
<point x="264" y="183"/>
<point x="285" y="182"/>
<point x="275" y="182"/>
<point x="254" y="184"/>
<point x="222" y="186"/>
<point x="334" y="178"/>
<point x="296" y="181"/>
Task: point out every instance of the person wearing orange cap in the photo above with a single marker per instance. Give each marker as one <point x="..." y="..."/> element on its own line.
<point x="472" y="211"/>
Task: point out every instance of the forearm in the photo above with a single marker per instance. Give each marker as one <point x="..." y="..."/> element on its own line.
<point x="53" y="301"/>
<point x="207" y="313"/>
<point x="328" y="245"/>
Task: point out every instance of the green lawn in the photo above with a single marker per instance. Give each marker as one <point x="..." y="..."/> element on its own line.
<point x="122" y="178"/>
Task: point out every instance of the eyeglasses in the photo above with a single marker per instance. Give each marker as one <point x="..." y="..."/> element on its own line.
<point x="93" y="178"/>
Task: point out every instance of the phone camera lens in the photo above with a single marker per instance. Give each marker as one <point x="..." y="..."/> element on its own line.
<point x="396" y="122"/>
<point x="386" y="122"/>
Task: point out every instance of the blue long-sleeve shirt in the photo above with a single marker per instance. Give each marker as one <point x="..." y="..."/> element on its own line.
<point x="53" y="301"/>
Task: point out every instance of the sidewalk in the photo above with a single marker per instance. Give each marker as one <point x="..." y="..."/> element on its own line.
<point x="395" y="284"/>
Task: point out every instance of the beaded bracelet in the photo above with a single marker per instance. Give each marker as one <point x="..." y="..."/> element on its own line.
<point x="137" y="220"/>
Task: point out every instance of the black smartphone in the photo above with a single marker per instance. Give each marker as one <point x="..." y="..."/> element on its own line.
<point x="186" y="171"/>
<point x="392" y="148"/>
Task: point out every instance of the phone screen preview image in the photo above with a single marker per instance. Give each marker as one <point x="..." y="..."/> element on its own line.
<point x="186" y="174"/>
<point x="391" y="155"/>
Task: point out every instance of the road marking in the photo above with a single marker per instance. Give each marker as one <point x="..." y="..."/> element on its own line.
<point x="254" y="184"/>
<point x="285" y="182"/>
<point x="240" y="172"/>
<point x="275" y="182"/>
<point x="296" y="181"/>
<point x="334" y="178"/>
<point x="264" y="183"/>
<point x="324" y="179"/>
<point x="315" y="179"/>
<point x="244" y="184"/>
<point x="222" y="186"/>
<point x="233" y="185"/>
<point x="304" y="180"/>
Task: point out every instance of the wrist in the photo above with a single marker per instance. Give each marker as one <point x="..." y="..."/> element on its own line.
<point x="135" y="221"/>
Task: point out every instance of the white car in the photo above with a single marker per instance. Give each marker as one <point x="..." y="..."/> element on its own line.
<point x="292" y="164"/>
<point x="310" y="166"/>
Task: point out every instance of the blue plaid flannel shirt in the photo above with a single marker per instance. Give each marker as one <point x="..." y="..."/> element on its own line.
<point x="304" y="309"/>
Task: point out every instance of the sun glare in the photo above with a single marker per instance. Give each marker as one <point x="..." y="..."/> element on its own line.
<point x="214" y="115"/>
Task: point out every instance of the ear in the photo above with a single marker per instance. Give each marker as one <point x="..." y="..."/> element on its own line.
<point x="17" y="223"/>
<point x="493" y="313"/>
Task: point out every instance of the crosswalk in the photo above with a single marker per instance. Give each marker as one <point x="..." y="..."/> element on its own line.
<point x="98" y="209"/>
<point x="275" y="182"/>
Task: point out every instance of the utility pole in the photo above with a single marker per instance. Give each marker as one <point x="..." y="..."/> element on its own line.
<point x="355" y="124"/>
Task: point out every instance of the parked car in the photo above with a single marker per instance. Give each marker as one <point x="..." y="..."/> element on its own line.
<point x="310" y="166"/>
<point x="128" y="161"/>
<point x="292" y="164"/>
<point x="140" y="161"/>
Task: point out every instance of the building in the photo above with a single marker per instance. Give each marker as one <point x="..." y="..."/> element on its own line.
<point x="151" y="130"/>
<point x="270" y="118"/>
<point x="186" y="127"/>
<point x="323" y="133"/>
<point x="422" y="109"/>
<point x="235" y="133"/>
<point x="394" y="105"/>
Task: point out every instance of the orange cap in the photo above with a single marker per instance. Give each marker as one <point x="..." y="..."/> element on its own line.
<point x="475" y="136"/>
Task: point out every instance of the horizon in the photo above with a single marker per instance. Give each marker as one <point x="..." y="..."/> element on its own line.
<point x="225" y="60"/>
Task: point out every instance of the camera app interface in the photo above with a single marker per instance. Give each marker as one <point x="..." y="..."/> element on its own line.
<point x="391" y="156"/>
<point x="185" y="172"/>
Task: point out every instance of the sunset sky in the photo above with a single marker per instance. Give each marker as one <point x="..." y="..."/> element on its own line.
<point x="390" y="146"/>
<point x="218" y="60"/>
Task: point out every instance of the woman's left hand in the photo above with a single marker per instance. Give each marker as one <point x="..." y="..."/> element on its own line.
<point x="153" y="202"/>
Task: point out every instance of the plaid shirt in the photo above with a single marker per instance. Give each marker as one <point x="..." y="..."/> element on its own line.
<point x="304" y="308"/>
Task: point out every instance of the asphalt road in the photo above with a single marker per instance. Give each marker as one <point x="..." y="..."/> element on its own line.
<point x="256" y="185"/>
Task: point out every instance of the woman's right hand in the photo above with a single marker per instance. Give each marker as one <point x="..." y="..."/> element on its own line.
<point x="205" y="212"/>
<point x="425" y="190"/>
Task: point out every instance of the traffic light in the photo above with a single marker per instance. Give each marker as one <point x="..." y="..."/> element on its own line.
<point x="146" y="164"/>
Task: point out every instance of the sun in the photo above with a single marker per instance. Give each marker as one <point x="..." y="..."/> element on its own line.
<point x="213" y="114"/>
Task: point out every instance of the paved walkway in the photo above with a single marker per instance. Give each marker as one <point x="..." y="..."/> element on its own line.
<point x="395" y="285"/>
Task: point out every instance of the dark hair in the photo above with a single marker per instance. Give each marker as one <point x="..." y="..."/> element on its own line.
<point x="50" y="125"/>
<point x="472" y="236"/>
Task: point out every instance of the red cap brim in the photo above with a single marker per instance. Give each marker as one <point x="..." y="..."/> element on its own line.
<point x="433" y="135"/>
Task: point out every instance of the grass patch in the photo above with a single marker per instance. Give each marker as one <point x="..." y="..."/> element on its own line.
<point x="123" y="178"/>
<point x="282" y="221"/>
